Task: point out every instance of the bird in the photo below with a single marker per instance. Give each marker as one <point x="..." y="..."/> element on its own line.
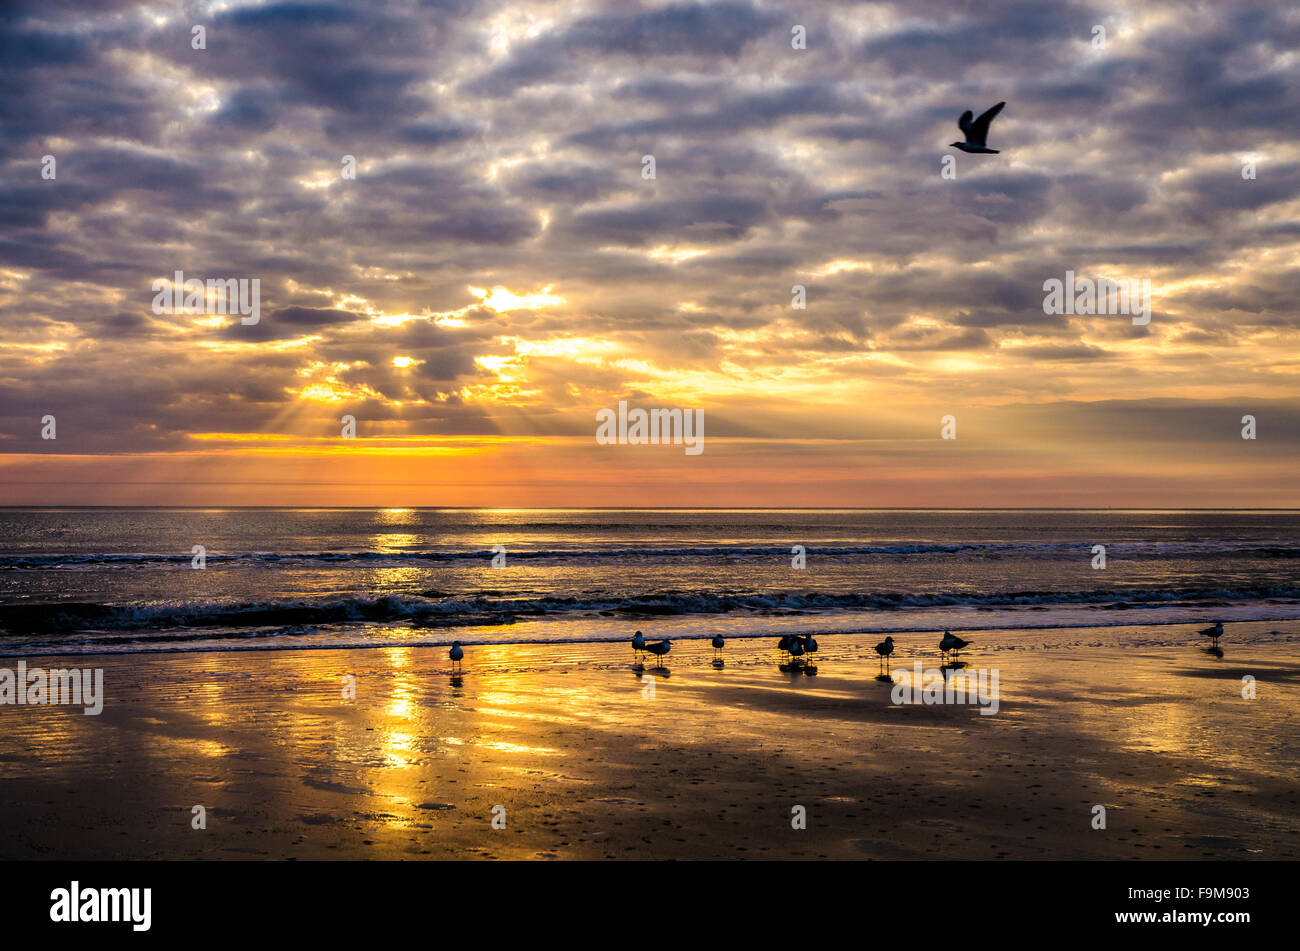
<point x="660" y="649"/>
<point x="784" y="643"/>
<point x="1214" y="633"/>
<point x="951" y="644"/>
<point x="796" y="648"/>
<point x="638" y="644"/>
<point x="718" y="644"/>
<point x="810" y="644"/>
<point x="456" y="654"/>
<point x="977" y="131"/>
<point x="885" y="648"/>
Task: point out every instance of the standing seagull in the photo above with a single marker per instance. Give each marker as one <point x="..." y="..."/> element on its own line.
<point x="456" y="654"/>
<point x="1214" y="633"/>
<point x="796" y="650"/>
<point x="884" y="649"/>
<point x="977" y="132"/>
<point x="638" y="645"/>
<point x="660" y="649"/>
<point x="951" y="644"/>
<point x="718" y="644"/>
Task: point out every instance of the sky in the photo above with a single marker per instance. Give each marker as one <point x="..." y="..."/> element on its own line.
<point x="500" y="268"/>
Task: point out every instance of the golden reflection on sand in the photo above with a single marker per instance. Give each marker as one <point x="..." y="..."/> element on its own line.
<point x="517" y="748"/>
<point x="396" y="747"/>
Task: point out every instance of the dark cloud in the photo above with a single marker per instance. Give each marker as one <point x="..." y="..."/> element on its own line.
<point x="706" y="220"/>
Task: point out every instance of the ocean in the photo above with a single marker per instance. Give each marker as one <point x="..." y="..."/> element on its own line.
<point x="123" y="580"/>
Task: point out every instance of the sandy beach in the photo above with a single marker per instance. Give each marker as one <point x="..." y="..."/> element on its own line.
<point x="591" y="762"/>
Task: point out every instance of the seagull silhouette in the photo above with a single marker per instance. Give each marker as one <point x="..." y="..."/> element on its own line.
<point x="951" y="643"/>
<point x="660" y="650"/>
<point x="977" y="131"/>
<point x="1214" y="633"/>
<point x="884" y="649"/>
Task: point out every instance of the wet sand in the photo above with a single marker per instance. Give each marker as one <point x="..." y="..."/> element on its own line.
<point x="589" y="765"/>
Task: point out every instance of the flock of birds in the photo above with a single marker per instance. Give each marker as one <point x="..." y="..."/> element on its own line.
<point x="799" y="647"/>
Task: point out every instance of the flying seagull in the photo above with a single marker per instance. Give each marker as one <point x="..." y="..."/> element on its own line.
<point x="976" y="132"/>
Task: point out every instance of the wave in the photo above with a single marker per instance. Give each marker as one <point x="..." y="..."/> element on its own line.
<point x="439" y="610"/>
<point x="1071" y="550"/>
<point x="322" y="557"/>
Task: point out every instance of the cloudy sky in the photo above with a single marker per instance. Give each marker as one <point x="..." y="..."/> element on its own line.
<point x="500" y="268"/>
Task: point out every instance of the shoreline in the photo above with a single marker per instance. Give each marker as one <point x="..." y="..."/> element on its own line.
<point x="649" y="623"/>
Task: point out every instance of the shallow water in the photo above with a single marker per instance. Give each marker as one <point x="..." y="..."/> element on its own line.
<point x="123" y="579"/>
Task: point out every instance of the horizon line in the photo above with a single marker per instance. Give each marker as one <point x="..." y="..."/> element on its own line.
<point x="676" y="508"/>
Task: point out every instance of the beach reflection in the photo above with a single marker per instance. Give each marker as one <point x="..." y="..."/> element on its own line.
<point x="393" y="541"/>
<point x="414" y="765"/>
